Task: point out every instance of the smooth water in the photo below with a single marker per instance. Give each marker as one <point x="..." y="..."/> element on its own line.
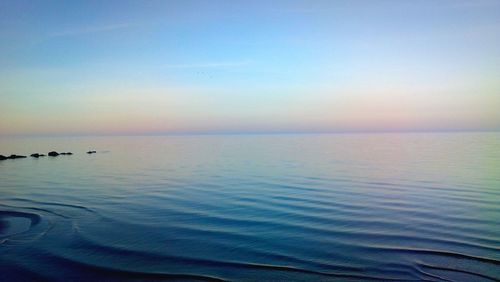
<point x="257" y="208"/>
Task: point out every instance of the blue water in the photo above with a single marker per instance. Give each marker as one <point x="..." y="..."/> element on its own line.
<point x="350" y="207"/>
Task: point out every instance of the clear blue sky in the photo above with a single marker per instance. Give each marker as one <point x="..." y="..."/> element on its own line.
<point x="142" y="67"/>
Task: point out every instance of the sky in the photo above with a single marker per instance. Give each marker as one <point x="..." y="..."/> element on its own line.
<point x="189" y="67"/>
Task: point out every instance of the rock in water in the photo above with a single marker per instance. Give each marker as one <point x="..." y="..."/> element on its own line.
<point x="2" y="157"/>
<point x="91" y="152"/>
<point x="37" y="155"/>
<point x="53" y="154"/>
<point x="16" y="157"/>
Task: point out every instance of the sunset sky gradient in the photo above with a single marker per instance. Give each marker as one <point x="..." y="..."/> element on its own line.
<point x="160" y="67"/>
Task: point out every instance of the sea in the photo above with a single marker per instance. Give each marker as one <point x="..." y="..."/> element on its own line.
<point x="284" y="207"/>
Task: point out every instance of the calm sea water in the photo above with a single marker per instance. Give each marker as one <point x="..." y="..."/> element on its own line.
<point x="253" y="208"/>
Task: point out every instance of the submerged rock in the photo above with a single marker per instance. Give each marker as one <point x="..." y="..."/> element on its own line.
<point x="16" y="157"/>
<point x="37" y="155"/>
<point x="11" y="157"/>
<point x="53" y="154"/>
<point x="91" y="152"/>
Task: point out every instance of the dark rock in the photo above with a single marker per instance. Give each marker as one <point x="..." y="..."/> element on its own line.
<point x="91" y="152"/>
<point x="53" y="154"/>
<point x="69" y="153"/>
<point x="16" y="157"/>
<point x="2" y="157"/>
<point x="37" y="155"/>
<point x="62" y="154"/>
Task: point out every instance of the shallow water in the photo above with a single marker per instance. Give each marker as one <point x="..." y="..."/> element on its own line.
<point x="263" y="207"/>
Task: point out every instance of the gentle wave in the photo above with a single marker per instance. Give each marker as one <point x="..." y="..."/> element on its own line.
<point x="217" y="213"/>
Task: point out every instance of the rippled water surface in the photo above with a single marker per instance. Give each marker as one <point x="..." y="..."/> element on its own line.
<point x="258" y="208"/>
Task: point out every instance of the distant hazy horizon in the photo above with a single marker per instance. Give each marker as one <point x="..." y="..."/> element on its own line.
<point x="237" y="67"/>
<point x="235" y="133"/>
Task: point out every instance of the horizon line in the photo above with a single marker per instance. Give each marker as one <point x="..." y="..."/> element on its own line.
<point x="228" y="133"/>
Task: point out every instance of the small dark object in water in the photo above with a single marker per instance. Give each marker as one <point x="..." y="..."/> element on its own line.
<point x="91" y="152"/>
<point x="2" y="157"/>
<point x="68" y="153"/>
<point x="36" y="155"/>
<point x="53" y="154"/>
<point x="16" y="157"/>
